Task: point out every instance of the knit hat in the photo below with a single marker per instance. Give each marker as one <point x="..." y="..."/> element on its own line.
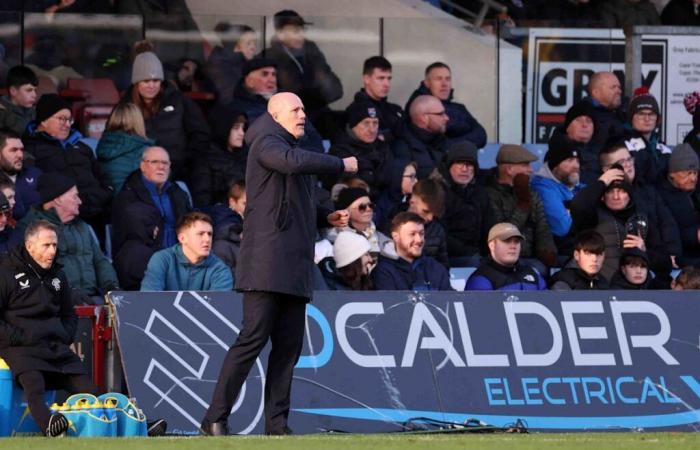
<point x="642" y="100"/>
<point x="359" y="111"/>
<point x="52" y="185"/>
<point x="624" y="185"/>
<point x="633" y="252"/>
<point x="48" y="105"/>
<point x="582" y="108"/>
<point x="504" y="231"/>
<point x="682" y="158"/>
<point x="4" y="204"/>
<point x="514" y="154"/>
<point x="348" y="247"/>
<point x="462" y="151"/>
<point x="349" y="195"/>
<point x="255" y="64"/>
<point x="560" y="149"/>
<point x="288" y="17"/>
<point x="146" y="66"/>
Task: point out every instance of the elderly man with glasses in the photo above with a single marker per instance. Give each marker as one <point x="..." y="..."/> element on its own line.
<point x="144" y="216"/>
<point x="52" y="145"/>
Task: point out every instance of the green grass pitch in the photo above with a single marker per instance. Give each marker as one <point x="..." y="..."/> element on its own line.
<point x="534" y="441"/>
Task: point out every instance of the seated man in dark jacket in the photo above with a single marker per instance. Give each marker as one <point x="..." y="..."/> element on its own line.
<point x="360" y="139"/>
<point x="423" y="137"/>
<point x="53" y="146"/>
<point x="88" y="270"/>
<point x="24" y="177"/>
<point x="468" y="215"/>
<point x="376" y="81"/>
<point x="462" y="125"/>
<point x="503" y="271"/>
<point x="583" y="272"/>
<point x="679" y="192"/>
<point x="411" y="271"/>
<point x="37" y="325"/>
<point x="144" y="216"/>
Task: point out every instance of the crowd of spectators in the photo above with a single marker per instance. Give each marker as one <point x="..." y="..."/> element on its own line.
<point x="164" y="192"/>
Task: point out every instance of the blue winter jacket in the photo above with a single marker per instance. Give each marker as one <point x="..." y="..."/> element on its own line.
<point x="169" y="270"/>
<point x="423" y="274"/>
<point x="555" y="198"/>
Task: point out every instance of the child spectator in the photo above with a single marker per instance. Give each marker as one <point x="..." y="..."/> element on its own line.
<point x="583" y="272"/>
<point x="634" y="271"/>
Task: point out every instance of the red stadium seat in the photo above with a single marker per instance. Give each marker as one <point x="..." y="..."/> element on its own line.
<point x="93" y="101"/>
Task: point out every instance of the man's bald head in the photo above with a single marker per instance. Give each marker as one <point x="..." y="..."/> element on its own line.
<point x="605" y="88"/>
<point x="427" y="112"/>
<point x="287" y="109"/>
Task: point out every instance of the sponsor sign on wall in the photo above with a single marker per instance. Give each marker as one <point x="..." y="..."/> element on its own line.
<point x="380" y="361"/>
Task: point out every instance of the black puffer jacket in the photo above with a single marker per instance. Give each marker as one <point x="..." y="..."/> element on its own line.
<point x="468" y="217"/>
<point x="426" y="149"/>
<point x="37" y="320"/>
<point x="73" y="159"/>
<point x="179" y="127"/>
<point x="573" y="278"/>
<point x="436" y="242"/>
<point x="137" y="227"/>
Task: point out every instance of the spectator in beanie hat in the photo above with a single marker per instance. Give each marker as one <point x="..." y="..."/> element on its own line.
<point x="88" y="270"/>
<point x="557" y="182"/>
<point x="361" y="209"/>
<point x="173" y="120"/>
<point x="55" y="147"/>
<point x="350" y="265"/>
<point x="679" y="192"/>
<point x="642" y="137"/>
<point x="468" y="215"/>
<point x="579" y="127"/>
<point x="360" y="139"/>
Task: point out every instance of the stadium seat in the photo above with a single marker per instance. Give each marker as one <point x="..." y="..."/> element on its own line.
<point x="94" y="99"/>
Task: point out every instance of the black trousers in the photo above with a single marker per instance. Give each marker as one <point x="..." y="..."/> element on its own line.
<point x="266" y="315"/>
<point x="35" y="384"/>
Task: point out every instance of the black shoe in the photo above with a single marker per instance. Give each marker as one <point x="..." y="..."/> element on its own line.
<point x="214" y="429"/>
<point x="157" y="427"/>
<point x="58" y="425"/>
<point x="284" y="431"/>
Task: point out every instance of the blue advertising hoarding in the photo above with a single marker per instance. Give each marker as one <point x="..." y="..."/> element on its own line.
<point x="374" y="361"/>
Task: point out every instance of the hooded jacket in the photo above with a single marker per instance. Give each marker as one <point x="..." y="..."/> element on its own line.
<point x="462" y="125"/>
<point x="491" y="276"/>
<point x="37" y="320"/>
<point x="119" y="154"/>
<point x="280" y="224"/>
<point x="170" y="270"/>
<point x="14" y="117"/>
<point x="72" y="159"/>
<point x="423" y="274"/>
<point x="79" y="253"/>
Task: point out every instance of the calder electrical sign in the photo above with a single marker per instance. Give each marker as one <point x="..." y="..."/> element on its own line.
<point x="379" y="361"/>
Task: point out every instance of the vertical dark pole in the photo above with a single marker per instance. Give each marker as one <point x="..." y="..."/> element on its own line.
<point x="381" y="36"/>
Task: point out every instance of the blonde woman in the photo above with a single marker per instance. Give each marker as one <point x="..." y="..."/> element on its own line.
<point x="122" y="144"/>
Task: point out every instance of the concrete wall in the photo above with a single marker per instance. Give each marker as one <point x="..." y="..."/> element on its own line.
<point x="415" y="35"/>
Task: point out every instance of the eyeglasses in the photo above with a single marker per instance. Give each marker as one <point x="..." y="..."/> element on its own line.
<point x="65" y="120"/>
<point x="362" y="207"/>
<point x="157" y="162"/>
<point x="441" y="113"/>
<point x="411" y="177"/>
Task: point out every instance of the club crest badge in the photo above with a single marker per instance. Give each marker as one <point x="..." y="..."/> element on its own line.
<point x="56" y="283"/>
